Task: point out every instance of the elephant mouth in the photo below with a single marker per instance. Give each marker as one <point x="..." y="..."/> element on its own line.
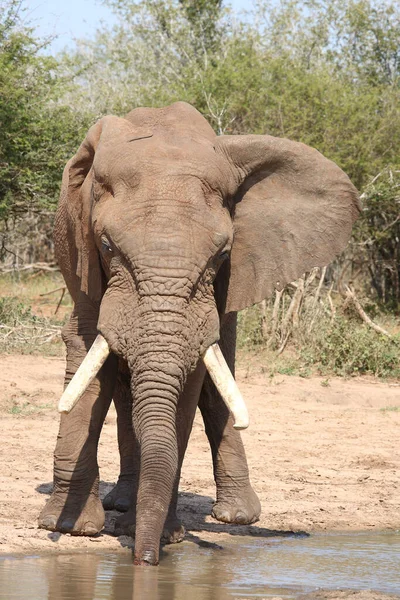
<point x="213" y="359"/>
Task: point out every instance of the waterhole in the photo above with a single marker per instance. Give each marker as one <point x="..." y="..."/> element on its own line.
<point x="246" y="568"/>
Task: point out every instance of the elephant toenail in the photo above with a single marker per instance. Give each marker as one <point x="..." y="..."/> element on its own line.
<point x="241" y="518"/>
<point x="122" y="504"/>
<point x="108" y="502"/>
<point x="224" y="516"/>
<point x="91" y="529"/>
<point x="67" y="526"/>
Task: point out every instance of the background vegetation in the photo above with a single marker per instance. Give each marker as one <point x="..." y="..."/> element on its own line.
<point x="323" y="72"/>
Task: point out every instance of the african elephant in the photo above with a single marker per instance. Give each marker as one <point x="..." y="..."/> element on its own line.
<point x="163" y="232"/>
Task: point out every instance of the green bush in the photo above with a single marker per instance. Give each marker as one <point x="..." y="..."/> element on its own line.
<point x="13" y="312"/>
<point x="348" y="347"/>
<point x="250" y="328"/>
<point x="322" y="342"/>
<point x="376" y="237"/>
<point x="25" y="333"/>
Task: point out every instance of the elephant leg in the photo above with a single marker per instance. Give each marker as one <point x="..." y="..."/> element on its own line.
<point x="173" y="530"/>
<point x="74" y="506"/>
<point x="124" y="493"/>
<point x="236" y="500"/>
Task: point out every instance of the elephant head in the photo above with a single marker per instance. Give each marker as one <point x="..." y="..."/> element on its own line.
<point x="172" y="227"/>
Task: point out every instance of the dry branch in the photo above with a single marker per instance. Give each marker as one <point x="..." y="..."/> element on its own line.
<point x="292" y="314"/>
<point x="21" y="333"/>
<point x="64" y="289"/>
<point x="298" y="297"/>
<point x="274" y="320"/>
<point x="351" y="297"/>
<point x="264" y="320"/>
<point x="53" y="291"/>
<point x="316" y="298"/>
<point x="310" y="278"/>
<point x="320" y="284"/>
<point x="332" y="306"/>
<point x="39" y="266"/>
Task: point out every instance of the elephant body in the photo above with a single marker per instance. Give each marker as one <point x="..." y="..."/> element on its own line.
<point x="163" y="232"/>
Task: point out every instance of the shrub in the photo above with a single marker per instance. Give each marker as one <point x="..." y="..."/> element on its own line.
<point x="348" y="347"/>
<point x="308" y="330"/>
<point x="23" y="332"/>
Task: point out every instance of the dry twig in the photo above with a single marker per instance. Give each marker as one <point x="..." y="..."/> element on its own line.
<point x="39" y="266"/>
<point x="292" y="313"/>
<point x="351" y="297"/>
<point x="52" y="291"/>
<point x="274" y="320"/>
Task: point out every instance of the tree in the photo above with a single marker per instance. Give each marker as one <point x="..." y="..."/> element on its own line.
<point x="377" y="236"/>
<point x="323" y="72"/>
<point x="37" y="131"/>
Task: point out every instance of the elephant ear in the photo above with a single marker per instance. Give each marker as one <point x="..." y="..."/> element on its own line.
<point x="75" y="208"/>
<point x="293" y="210"/>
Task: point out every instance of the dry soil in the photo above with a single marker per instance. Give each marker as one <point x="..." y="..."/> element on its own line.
<point x="323" y="455"/>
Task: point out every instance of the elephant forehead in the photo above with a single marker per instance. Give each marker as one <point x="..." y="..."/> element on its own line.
<point x="183" y="219"/>
<point x="179" y="117"/>
<point x="164" y="226"/>
<point x="152" y="160"/>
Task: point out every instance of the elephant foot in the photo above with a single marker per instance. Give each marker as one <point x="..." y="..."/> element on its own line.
<point x="240" y="506"/>
<point x="120" y="497"/>
<point x="173" y="532"/>
<point x="72" y="514"/>
<point x="125" y="524"/>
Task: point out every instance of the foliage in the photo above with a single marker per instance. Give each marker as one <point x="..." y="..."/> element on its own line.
<point x="28" y="323"/>
<point x="37" y="131"/>
<point x="348" y="347"/>
<point x="25" y="333"/>
<point x="325" y="73"/>
<point x="12" y="311"/>
<point x="319" y="334"/>
<point x="341" y="346"/>
<point x="377" y="236"/>
<point x="334" y="75"/>
<point x="250" y="328"/>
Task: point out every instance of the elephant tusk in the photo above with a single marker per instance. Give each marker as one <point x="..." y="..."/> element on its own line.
<point x="225" y="383"/>
<point x="213" y="360"/>
<point x="84" y="376"/>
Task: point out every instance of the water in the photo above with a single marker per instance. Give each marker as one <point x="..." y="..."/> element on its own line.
<point x="248" y="568"/>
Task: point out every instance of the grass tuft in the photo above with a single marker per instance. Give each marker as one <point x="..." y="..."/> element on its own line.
<point x="28" y="324"/>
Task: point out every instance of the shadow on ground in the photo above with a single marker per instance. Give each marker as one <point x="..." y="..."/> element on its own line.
<point x="194" y="511"/>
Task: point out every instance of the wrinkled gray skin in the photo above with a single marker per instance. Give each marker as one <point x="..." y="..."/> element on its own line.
<point x="163" y="232"/>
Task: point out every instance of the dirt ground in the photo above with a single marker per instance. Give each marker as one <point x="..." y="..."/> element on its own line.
<point x="323" y="455"/>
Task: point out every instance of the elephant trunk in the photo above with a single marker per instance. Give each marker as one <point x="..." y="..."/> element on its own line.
<point x="159" y="367"/>
<point x="154" y="422"/>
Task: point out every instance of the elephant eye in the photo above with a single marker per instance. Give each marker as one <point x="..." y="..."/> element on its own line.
<point x="105" y="244"/>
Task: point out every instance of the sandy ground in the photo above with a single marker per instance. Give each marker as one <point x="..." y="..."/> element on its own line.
<point x="323" y="455"/>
